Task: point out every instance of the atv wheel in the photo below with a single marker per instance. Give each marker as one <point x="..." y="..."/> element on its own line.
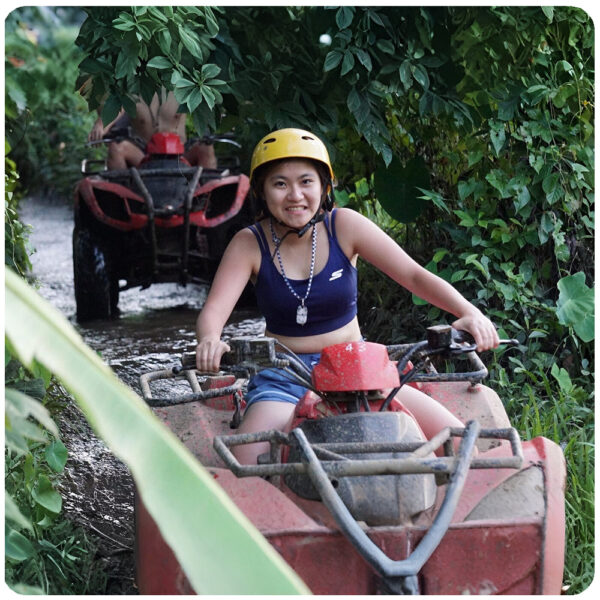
<point x="96" y="290"/>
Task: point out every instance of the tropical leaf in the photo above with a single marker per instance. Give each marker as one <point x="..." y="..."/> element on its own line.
<point x="56" y="455"/>
<point x="398" y="188"/>
<point x="45" y="495"/>
<point x="332" y="60"/>
<point x="20" y="407"/>
<point x="575" y="306"/>
<point x="160" y="62"/>
<point x="14" y="515"/>
<point x="171" y="483"/>
<point x="17" y="547"/>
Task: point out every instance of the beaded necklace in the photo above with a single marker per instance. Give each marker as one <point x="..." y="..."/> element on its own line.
<point x="302" y="310"/>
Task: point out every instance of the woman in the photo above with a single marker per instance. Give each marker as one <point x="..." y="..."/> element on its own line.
<point x="301" y="256"/>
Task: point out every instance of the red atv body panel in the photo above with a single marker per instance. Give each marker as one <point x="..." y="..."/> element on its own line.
<point x="134" y="218"/>
<point x="355" y="366"/>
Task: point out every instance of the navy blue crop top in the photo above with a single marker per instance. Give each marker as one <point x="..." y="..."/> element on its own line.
<point x="331" y="303"/>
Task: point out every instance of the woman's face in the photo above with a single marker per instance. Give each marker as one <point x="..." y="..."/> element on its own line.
<point x="293" y="192"/>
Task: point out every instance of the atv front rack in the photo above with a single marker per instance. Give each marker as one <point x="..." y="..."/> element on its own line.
<point x="192" y="378"/>
<point x="399" y="576"/>
<point x="337" y="465"/>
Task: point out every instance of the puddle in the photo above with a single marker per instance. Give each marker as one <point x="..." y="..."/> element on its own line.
<point x="155" y="326"/>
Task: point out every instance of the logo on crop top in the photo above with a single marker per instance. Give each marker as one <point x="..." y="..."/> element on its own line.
<point x="336" y="274"/>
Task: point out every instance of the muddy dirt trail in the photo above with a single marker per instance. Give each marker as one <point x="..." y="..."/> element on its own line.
<point x="155" y="325"/>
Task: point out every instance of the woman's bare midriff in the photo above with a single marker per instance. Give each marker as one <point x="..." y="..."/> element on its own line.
<point x="316" y="343"/>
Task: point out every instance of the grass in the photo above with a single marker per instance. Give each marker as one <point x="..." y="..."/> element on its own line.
<point x="65" y="563"/>
<point x="59" y="557"/>
<point x="554" y="406"/>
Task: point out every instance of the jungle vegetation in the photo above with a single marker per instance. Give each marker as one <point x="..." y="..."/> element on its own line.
<point x="466" y="132"/>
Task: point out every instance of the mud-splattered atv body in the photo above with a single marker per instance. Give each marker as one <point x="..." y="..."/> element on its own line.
<point x="164" y="221"/>
<point x="355" y="498"/>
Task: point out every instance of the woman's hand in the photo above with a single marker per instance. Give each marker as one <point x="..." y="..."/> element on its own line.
<point x="481" y="328"/>
<point x="209" y="353"/>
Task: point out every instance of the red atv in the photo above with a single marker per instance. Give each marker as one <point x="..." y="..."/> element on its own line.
<point x="354" y="497"/>
<point x="164" y="221"/>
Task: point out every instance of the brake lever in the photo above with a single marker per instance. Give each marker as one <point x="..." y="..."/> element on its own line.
<point x="457" y="341"/>
<point x="510" y="342"/>
<point x="466" y="338"/>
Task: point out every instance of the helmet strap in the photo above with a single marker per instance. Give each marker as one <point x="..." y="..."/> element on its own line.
<point x="317" y="218"/>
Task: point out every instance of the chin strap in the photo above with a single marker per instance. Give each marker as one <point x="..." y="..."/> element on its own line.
<point x="320" y="216"/>
<point x="317" y="218"/>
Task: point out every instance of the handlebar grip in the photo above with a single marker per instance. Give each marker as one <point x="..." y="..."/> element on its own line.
<point x="188" y="360"/>
<point x="460" y="336"/>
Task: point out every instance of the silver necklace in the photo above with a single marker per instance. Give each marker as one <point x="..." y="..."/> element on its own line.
<point x="302" y="310"/>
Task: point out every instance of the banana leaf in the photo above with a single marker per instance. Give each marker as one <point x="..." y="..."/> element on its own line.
<point x="208" y="534"/>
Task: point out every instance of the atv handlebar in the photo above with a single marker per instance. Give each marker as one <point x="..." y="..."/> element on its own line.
<point x="121" y="134"/>
<point x="249" y="355"/>
<point x="252" y="354"/>
<point x="210" y="139"/>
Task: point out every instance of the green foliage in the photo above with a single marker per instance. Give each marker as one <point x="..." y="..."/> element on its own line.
<point x="63" y="561"/>
<point x="45" y="553"/>
<point x="335" y="71"/>
<point x="168" y="478"/>
<point x="509" y="212"/>
<point x="131" y="52"/>
<point x="402" y="181"/>
<point x="576" y="305"/>
<point x="47" y="122"/>
<point x="16" y="254"/>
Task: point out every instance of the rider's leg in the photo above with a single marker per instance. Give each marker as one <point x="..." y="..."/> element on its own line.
<point x="202" y="155"/>
<point x="122" y="155"/>
<point x="271" y="402"/>
<point x="431" y="416"/>
<point x="262" y="416"/>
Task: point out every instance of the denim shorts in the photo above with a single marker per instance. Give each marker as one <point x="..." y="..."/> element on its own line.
<point x="276" y="385"/>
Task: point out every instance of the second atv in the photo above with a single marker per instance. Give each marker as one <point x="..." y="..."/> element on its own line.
<point x="164" y="221"/>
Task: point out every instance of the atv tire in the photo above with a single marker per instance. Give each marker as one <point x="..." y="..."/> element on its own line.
<point x="96" y="290"/>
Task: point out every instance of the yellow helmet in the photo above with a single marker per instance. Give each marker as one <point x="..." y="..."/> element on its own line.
<point x="289" y="143"/>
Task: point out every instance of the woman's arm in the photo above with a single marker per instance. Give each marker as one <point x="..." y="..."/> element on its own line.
<point x="240" y="260"/>
<point x="358" y="235"/>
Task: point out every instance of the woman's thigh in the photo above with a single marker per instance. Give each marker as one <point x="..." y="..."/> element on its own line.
<point x="431" y="416"/>
<point x="262" y="416"/>
<point x="265" y="415"/>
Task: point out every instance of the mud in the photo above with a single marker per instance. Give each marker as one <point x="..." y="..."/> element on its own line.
<point x="155" y="325"/>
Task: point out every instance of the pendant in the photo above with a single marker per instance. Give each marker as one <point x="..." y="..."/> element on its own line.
<point x="301" y="314"/>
